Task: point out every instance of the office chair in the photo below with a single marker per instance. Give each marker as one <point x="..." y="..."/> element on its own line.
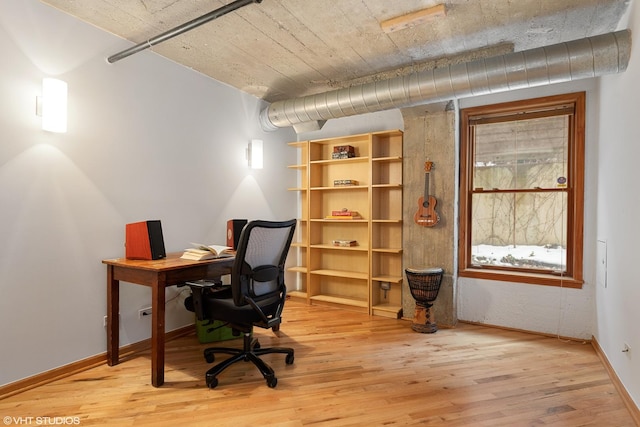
<point x="255" y="298"/>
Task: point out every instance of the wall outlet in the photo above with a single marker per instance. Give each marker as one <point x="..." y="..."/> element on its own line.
<point x="144" y="312"/>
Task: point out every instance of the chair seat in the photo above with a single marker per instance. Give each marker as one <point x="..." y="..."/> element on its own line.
<point x="226" y="310"/>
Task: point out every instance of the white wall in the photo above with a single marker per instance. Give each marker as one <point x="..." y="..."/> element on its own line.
<point x="617" y="314"/>
<point x="147" y="139"/>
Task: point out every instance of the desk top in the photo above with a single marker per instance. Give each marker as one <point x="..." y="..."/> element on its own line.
<point x="171" y="262"/>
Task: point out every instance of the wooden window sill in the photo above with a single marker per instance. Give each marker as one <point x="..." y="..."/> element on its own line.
<point x="523" y="277"/>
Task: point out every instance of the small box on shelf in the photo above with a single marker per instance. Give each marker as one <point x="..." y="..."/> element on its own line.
<point x="344" y="182"/>
<point x="344" y="243"/>
<point x="343" y="152"/>
<point x="344" y="212"/>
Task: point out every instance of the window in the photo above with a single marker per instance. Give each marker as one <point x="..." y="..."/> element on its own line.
<point x="522" y="191"/>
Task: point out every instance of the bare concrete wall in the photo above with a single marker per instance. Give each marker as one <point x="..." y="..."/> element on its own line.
<point x="429" y="136"/>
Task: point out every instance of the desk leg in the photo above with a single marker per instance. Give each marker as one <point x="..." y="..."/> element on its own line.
<point x="113" y="318"/>
<point x="157" y="333"/>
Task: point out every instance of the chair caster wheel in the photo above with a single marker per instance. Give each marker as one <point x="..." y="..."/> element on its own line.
<point x="272" y="382"/>
<point x="209" y="357"/>
<point x="212" y="383"/>
<point x="289" y="359"/>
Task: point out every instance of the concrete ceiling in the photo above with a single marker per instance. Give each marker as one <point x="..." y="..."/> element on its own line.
<point x="282" y="49"/>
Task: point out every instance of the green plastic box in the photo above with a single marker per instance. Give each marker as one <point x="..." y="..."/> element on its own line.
<point x="219" y="332"/>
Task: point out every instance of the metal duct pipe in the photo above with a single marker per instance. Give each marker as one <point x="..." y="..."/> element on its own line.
<point x="578" y="59"/>
<point x="187" y="26"/>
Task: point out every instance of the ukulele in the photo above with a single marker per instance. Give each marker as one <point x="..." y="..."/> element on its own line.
<point x="426" y="214"/>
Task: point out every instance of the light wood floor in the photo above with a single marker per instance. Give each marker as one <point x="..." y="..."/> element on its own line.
<point x="350" y="370"/>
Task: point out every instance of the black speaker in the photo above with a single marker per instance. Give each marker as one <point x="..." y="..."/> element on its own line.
<point x="234" y="227"/>
<point x="143" y="240"/>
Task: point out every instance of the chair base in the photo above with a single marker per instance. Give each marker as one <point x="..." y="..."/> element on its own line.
<point x="250" y="352"/>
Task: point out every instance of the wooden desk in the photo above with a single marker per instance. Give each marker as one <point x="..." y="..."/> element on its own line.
<point x="157" y="274"/>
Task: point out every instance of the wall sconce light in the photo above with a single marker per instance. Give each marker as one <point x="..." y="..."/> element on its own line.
<point x="52" y="106"/>
<point x="254" y="154"/>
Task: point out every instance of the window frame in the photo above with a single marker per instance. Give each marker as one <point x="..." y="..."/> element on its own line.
<point x="573" y="276"/>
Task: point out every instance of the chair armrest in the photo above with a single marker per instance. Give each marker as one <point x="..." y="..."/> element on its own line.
<point x="198" y="289"/>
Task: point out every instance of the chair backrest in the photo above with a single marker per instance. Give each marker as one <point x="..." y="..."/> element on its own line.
<point x="258" y="271"/>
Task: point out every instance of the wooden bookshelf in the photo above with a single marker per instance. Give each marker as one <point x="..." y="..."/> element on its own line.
<point x="350" y="277"/>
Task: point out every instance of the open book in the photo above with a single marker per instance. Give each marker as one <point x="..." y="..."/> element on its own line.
<point x="201" y="252"/>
